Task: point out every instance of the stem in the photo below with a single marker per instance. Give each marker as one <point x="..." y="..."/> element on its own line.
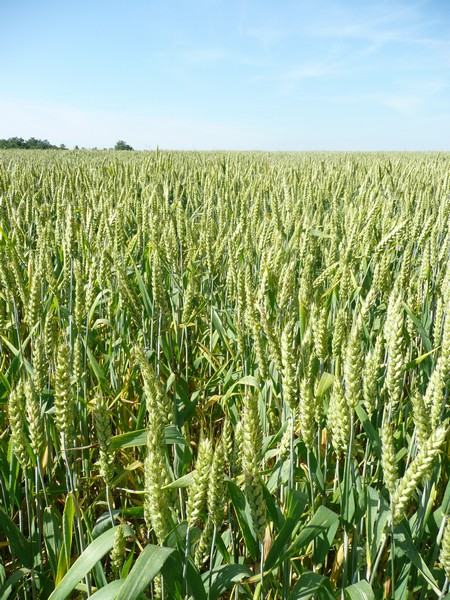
<point x="311" y="484"/>
<point x="378" y="558"/>
<point x="186" y="558"/>
<point x="110" y="506"/>
<point x="38" y="512"/>
<point x="29" y="517"/>
<point x="392" y="555"/>
<point x="211" y="557"/>
<point x="444" y="589"/>
<point x="344" y="494"/>
<point x="291" y="454"/>
<point x="261" y="593"/>
<point x="70" y="486"/>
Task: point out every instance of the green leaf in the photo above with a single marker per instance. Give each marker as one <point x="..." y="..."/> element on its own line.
<point x="182" y="482"/>
<point x="103" y="382"/>
<point x="420" y="328"/>
<point x="318" y="233"/>
<point x="218" y="326"/>
<point x="244" y="518"/>
<point x="93" y="553"/>
<point x="139" y="438"/>
<point x="19" y="356"/>
<point x="274" y="513"/>
<point x="320" y="523"/>
<point x="224" y="577"/>
<point x="405" y="544"/>
<point x="312" y="585"/>
<point x="172" y="435"/>
<point x="369" y="429"/>
<point x="108" y="591"/>
<point x="296" y="505"/>
<point x="148" y="564"/>
<point x="68" y="518"/>
<point x="8" y="587"/>
<point x="279" y="475"/>
<point x="247" y="380"/>
<point x="326" y="381"/>
<point x="359" y="591"/>
<point x="66" y="550"/>
<point x="194" y="582"/>
<point x="52" y="537"/>
<point x="142" y="288"/>
<point x="413" y="363"/>
<point x="129" y="439"/>
<point x="103" y="523"/>
<point x="323" y="543"/>
<point x="17" y="541"/>
<point x="5" y="388"/>
<point x="377" y="515"/>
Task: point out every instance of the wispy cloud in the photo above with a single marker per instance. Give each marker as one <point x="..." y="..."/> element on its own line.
<point x="206" y="55"/>
<point x="102" y="128"/>
<point x="407" y="105"/>
<point x="406" y="99"/>
<point x="313" y="70"/>
<point x="379" y="23"/>
<point x="267" y="35"/>
<point x="336" y="41"/>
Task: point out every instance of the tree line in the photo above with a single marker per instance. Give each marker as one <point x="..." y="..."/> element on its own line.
<point x="37" y="144"/>
<point x="32" y="143"/>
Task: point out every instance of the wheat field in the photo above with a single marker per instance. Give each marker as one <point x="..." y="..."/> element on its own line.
<point x="224" y="375"/>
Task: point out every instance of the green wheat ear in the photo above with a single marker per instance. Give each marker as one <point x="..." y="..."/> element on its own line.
<point x="215" y="503"/>
<point x="157" y="502"/>
<point x="16" y="408"/>
<point x="307" y="407"/>
<point x="118" y="552"/>
<point x="35" y="421"/>
<point x="372" y="368"/>
<point x="417" y="470"/>
<point x="289" y="366"/>
<point x="103" y="429"/>
<point x="64" y="402"/>
<point x="444" y="555"/>
<point x="252" y="436"/>
<point x="199" y="487"/>
<point x="393" y="331"/>
<point x="388" y="456"/>
<point x="353" y="366"/>
<point x="338" y="419"/>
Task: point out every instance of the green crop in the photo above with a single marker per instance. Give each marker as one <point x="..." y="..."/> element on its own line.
<point x="224" y="375"/>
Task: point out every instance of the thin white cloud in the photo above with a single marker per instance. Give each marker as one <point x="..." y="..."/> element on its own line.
<point x="407" y="98"/>
<point x="88" y="128"/>
<point x="313" y="70"/>
<point x="374" y="25"/>
<point x="377" y="23"/>
<point x="401" y="103"/>
<point x="265" y="34"/>
<point x="205" y="55"/>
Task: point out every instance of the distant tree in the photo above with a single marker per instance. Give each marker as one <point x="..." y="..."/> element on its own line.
<point x="121" y="145"/>
<point x="14" y="142"/>
<point x="32" y="144"/>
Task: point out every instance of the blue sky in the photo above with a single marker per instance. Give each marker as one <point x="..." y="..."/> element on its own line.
<point x="228" y="74"/>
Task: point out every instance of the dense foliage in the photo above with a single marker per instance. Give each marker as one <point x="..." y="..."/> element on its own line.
<point x="30" y="144"/>
<point x="224" y="375"/>
<point x="121" y="145"/>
